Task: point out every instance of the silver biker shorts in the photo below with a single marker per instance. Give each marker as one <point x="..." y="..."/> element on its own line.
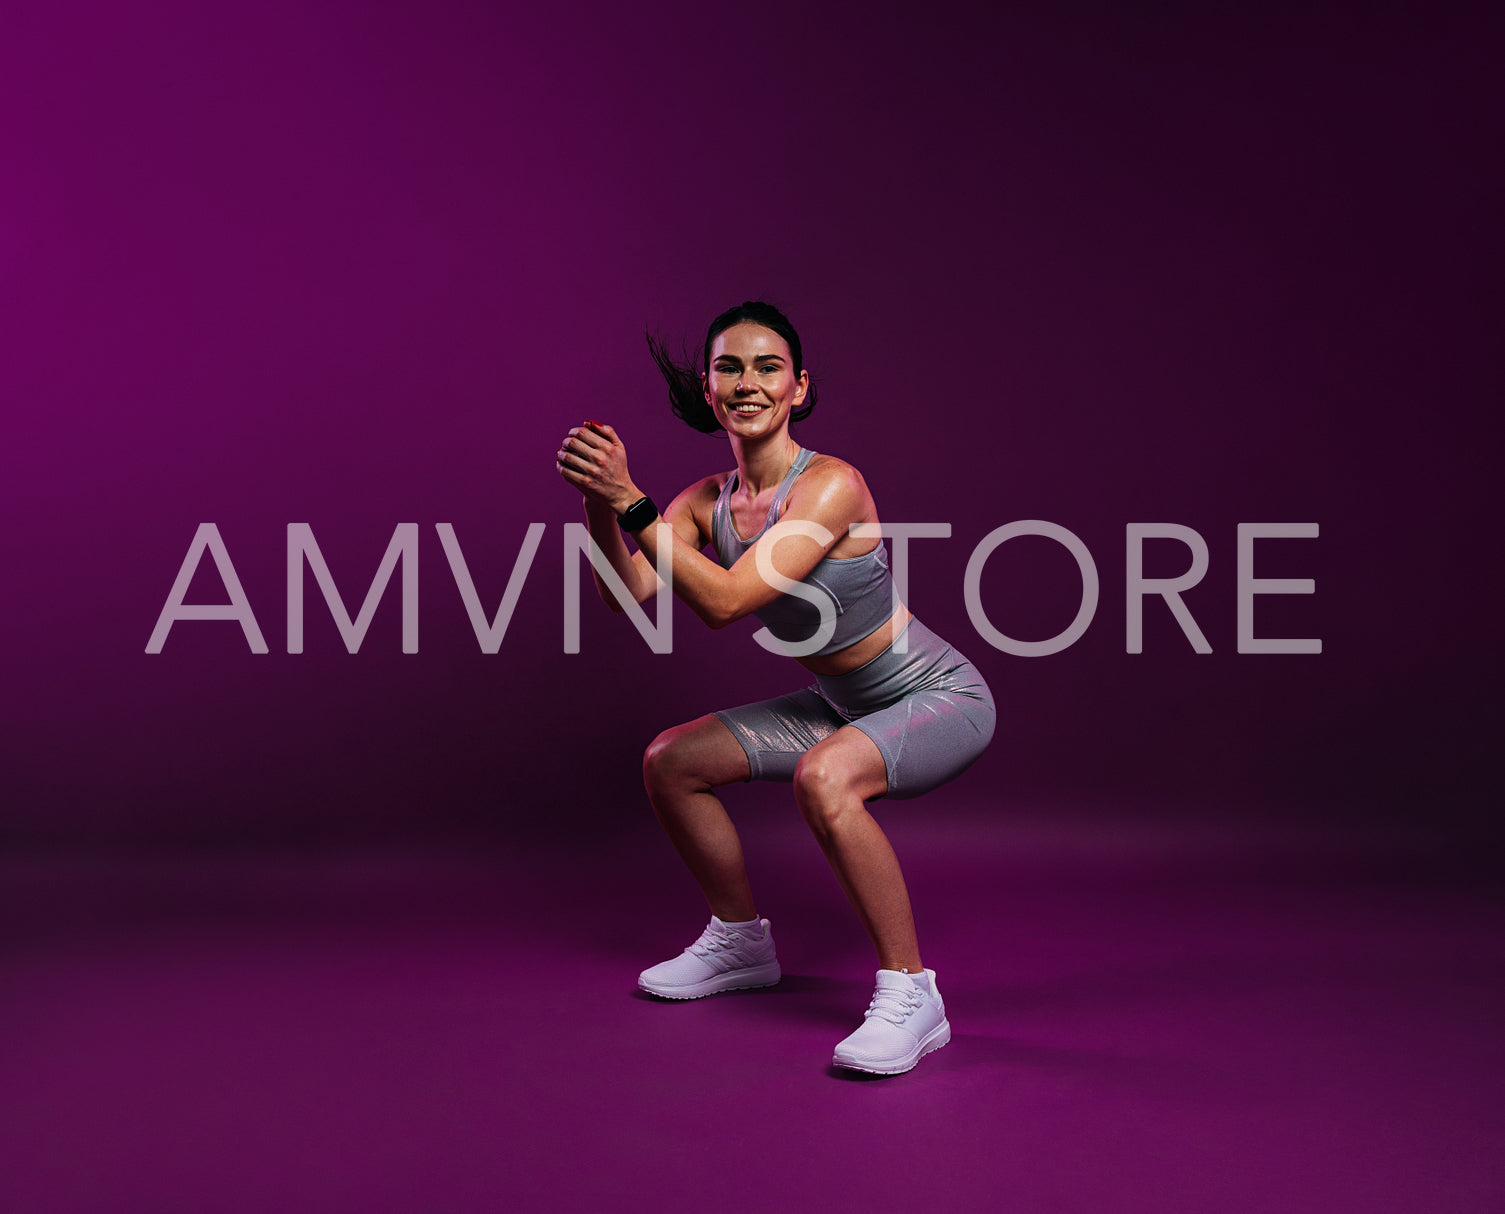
<point x="928" y="710"/>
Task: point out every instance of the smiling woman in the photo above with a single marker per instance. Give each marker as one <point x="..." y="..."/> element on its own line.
<point x="894" y="711"/>
<point x="688" y="384"/>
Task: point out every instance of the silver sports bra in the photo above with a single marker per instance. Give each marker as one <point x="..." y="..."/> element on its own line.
<point x="860" y="587"/>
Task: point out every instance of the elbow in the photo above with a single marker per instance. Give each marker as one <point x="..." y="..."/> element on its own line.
<point x="721" y="615"/>
<point x="712" y="615"/>
<point x="617" y="607"/>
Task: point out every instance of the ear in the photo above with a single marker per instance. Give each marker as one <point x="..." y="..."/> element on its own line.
<point x="705" y="390"/>
<point x="803" y="388"/>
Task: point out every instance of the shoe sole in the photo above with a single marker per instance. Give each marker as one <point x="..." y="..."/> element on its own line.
<point x="932" y="1041"/>
<point x="737" y="980"/>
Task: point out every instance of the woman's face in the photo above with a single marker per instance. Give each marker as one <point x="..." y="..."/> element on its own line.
<point x="752" y="385"/>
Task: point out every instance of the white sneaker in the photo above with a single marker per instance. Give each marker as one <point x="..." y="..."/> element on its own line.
<point x="723" y="959"/>
<point x="902" y="1024"/>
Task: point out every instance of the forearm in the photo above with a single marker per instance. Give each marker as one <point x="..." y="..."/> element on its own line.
<point x="703" y="585"/>
<point x="594" y="461"/>
<point x="601" y="522"/>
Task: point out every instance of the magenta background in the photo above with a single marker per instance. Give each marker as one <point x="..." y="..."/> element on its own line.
<point x="1218" y="932"/>
<point x="356" y="265"/>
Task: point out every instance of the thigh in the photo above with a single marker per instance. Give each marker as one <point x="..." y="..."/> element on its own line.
<point x="929" y="737"/>
<point x="774" y="734"/>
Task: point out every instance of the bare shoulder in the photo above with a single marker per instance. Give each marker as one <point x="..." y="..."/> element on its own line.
<point x="832" y="473"/>
<point x="830" y="484"/>
<point x="705" y="491"/>
<point x="696" y="504"/>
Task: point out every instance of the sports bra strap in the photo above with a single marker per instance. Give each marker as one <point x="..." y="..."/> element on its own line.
<point x="800" y="462"/>
<point x="721" y="514"/>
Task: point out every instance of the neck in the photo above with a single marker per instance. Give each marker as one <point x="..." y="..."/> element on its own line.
<point x="761" y="463"/>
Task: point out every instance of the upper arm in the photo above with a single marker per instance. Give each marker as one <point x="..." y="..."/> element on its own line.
<point x="689" y="517"/>
<point x="831" y="496"/>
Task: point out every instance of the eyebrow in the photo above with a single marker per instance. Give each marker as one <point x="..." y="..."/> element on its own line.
<point x="761" y="358"/>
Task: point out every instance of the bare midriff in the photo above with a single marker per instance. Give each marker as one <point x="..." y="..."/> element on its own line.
<point x="861" y="653"/>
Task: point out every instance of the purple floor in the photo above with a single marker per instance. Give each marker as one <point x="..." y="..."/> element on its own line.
<point x="1154" y="1017"/>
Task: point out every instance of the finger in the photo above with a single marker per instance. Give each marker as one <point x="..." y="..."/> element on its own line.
<point x="584" y="466"/>
<point x="588" y="436"/>
<point x="603" y="428"/>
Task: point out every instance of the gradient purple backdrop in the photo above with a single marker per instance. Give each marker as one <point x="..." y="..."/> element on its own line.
<point x="355" y="265"/>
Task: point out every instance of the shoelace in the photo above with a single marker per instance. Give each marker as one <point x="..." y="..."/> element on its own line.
<point x="712" y="941"/>
<point x="894" y="1005"/>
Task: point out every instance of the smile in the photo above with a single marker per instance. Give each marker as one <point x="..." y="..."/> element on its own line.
<point x="747" y="408"/>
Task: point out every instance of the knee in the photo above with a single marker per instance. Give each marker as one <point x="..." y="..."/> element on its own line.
<point x="820" y="789"/>
<point x="670" y="762"/>
<point x="660" y="761"/>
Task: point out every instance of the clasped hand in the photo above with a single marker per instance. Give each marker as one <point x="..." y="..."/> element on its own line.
<point x="593" y="459"/>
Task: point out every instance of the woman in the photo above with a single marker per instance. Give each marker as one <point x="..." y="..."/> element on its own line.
<point x="894" y="711"/>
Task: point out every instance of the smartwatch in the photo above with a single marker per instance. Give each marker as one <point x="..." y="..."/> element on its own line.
<point x="638" y="515"/>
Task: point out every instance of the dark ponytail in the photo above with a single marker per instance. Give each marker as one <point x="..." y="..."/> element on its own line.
<point x="683" y="375"/>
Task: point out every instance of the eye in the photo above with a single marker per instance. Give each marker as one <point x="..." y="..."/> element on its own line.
<point x="769" y="369"/>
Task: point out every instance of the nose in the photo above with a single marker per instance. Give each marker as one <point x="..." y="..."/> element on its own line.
<point x="745" y="385"/>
